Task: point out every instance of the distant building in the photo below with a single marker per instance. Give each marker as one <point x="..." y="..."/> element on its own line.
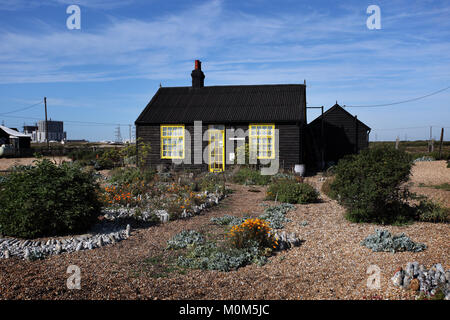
<point x="18" y="142"/>
<point x="55" y="131"/>
<point x="32" y="131"/>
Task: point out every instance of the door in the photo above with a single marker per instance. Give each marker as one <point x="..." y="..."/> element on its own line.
<point x="216" y="148"/>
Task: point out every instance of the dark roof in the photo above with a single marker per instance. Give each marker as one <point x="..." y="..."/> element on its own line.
<point x="338" y="108"/>
<point x="222" y="104"/>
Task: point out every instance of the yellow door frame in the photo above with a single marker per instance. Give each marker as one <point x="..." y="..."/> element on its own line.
<point x="216" y="152"/>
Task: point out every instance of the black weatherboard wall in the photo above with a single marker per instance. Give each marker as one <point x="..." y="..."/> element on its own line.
<point x="343" y="134"/>
<point x="232" y="106"/>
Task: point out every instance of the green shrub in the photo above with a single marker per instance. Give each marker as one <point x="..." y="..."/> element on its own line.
<point x="84" y="155"/>
<point x="248" y="176"/>
<point x="368" y="185"/>
<point x="46" y="200"/>
<point x="428" y="211"/>
<point x="131" y="175"/>
<point x="211" y="182"/>
<point x="290" y="191"/>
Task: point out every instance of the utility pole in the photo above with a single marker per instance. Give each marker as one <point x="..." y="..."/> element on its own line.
<point x="46" y="123"/>
<point x="440" y="142"/>
<point x="430" y="143"/>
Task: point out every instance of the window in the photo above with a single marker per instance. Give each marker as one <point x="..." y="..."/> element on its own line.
<point x="262" y="140"/>
<point x="172" y="142"/>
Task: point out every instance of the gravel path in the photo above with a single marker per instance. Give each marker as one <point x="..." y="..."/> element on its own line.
<point x="430" y="172"/>
<point x="330" y="264"/>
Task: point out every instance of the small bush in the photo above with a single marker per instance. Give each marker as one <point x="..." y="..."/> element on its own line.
<point x="252" y="230"/>
<point x="248" y="176"/>
<point x="46" y="200"/>
<point x="383" y="240"/>
<point x="184" y="239"/>
<point x="131" y="175"/>
<point x="84" y="156"/>
<point x="211" y="182"/>
<point x="368" y="185"/>
<point x="428" y="211"/>
<point x="290" y="191"/>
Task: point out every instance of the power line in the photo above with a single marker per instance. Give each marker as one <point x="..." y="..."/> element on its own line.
<point x="408" y="128"/>
<point x="22" y="109"/>
<point x="399" y="102"/>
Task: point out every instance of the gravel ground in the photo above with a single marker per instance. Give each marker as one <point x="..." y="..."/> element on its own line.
<point x="330" y="264"/>
<point x="431" y="173"/>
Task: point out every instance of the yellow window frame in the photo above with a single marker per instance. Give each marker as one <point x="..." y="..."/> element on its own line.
<point x="167" y="135"/>
<point x="260" y="132"/>
<point x="216" y="153"/>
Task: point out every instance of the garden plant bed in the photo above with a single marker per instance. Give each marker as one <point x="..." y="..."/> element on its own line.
<point x="330" y="263"/>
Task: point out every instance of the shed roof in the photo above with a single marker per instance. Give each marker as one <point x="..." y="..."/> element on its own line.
<point x="14" y="133"/>
<point x="224" y="104"/>
<point x="338" y="108"/>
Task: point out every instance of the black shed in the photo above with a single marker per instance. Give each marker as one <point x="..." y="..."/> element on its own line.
<point x="343" y="134"/>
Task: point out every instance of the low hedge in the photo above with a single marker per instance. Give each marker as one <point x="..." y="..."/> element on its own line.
<point x="248" y="176"/>
<point x="47" y="200"/>
<point x="289" y="191"/>
<point x="369" y="185"/>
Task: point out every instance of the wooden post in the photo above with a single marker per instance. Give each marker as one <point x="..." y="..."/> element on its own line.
<point x="430" y="148"/>
<point x="356" y="134"/>
<point x="397" y="142"/>
<point x="46" y="124"/>
<point x="323" y="141"/>
<point x="440" y="142"/>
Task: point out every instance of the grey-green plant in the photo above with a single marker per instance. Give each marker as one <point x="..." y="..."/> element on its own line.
<point x="383" y="240"/>
<point x="276" y="215"/>
<point x="210" y="256"/>
<point x="184" y="239"/>
<point x="228" y="220"/>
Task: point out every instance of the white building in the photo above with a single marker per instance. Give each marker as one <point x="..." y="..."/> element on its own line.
<point x="55" y="131"/>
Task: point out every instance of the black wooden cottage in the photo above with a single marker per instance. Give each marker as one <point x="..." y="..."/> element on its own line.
<point x="260" y="109"/>
<point x="343" y="134"/>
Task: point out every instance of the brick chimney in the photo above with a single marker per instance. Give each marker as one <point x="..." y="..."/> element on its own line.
<point x="198" y="77"/>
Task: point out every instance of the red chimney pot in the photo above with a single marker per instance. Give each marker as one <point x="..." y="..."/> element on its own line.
<point x="198" y="65"/>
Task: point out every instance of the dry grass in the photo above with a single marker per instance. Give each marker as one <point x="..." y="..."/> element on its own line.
<point x="330" y="264"/>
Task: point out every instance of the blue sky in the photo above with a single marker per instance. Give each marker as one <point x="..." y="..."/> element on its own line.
<point x="109" y="70"/>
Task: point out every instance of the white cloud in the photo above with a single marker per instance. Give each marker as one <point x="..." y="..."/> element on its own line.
<point x="237" y="47"/>
<point x="14" y="5"/>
